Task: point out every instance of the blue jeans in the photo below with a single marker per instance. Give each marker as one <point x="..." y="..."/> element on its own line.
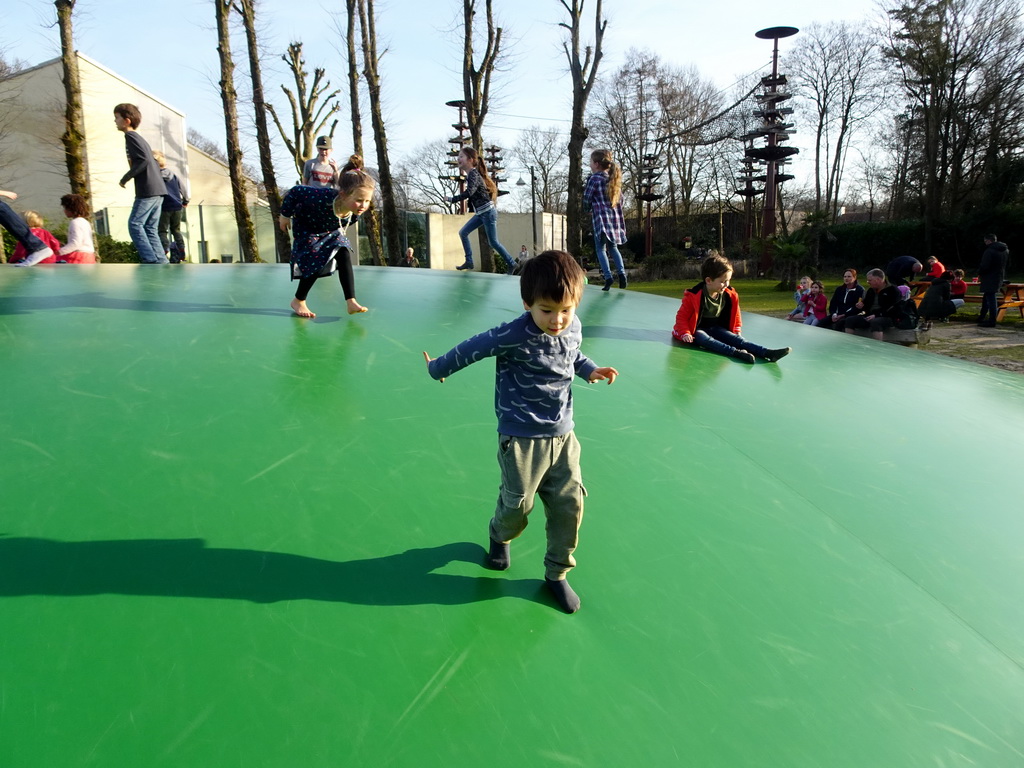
<point x="602" y="244"/>
<point x="16" y="225"/>
<point x="724" y="342"/>
<point x="143" y="225"/>
<point x="489" y="221"/>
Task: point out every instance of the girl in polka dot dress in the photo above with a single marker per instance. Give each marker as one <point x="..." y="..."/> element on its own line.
<point x="319" y="245"/>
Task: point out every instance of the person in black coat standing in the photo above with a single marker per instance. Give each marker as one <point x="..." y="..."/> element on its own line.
<point x="990" y="278"/>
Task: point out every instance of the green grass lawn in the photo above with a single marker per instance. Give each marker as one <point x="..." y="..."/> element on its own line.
<point x="761" y="296"/>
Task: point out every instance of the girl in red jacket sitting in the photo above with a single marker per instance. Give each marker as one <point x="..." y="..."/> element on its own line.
<point x="710" y="316"/>
<point x="815" y="304"/>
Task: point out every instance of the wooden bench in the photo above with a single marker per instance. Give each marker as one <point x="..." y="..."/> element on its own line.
<point x="910" y="338"/>
<point x="1001" y="306"/>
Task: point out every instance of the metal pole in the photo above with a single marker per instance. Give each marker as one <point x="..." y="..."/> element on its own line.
<point x="533" y="207"/>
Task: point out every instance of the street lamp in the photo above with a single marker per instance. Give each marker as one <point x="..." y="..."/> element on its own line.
<point x="533" y="204"/>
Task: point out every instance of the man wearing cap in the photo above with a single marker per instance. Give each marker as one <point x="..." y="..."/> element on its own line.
<point x="322" y="170"/>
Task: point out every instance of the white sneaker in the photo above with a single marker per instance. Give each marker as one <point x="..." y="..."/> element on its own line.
<point x="36" y="256"/>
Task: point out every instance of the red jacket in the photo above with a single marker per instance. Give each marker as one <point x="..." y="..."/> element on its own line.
<point x="817" y="304"/>
<point x="49" y="241"/>
<point x="936" y="271"/>
<point x="688" y="316"/>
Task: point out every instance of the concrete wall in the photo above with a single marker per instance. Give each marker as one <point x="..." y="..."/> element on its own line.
<point x="514" y="231"/>
<point x="31" y="155"/>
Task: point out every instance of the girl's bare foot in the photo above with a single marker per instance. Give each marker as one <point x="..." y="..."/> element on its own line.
<point x="300" y="309"/>
<point x="354" y="307"/>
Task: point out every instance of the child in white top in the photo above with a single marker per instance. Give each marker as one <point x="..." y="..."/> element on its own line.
<point x="802" y="289"/>
<point x="79" y="248"/>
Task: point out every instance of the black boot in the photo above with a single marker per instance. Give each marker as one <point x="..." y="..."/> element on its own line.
<point x="567" y="599"/>
<point x="774" y="355"/>
<point x="499" y="558"/>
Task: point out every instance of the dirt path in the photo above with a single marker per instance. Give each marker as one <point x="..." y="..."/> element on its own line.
<point x="1000" y="347"/>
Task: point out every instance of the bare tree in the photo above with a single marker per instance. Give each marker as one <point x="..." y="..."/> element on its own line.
<point x="837" y="71"/>
<point x="207" y="145"/>
<point x="371" y="73"/>
<point x="476" y="77"/>
<point x="626" y="119"/>
<point x="372" y="216"/>
<point x="584" y="73"/>
<point x="543" y="149"/>
<point x="309" y="116"/>
<point x="961" y="67"/>
<point x="229" y="98"/>
<point x="424" y="174"/>
<point x="247" y="10"/>
<point x="73" y="137"/>
<point x="476" y="89"/>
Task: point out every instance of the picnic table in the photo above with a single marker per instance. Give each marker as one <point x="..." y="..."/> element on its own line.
<point x="1012" y="296"/>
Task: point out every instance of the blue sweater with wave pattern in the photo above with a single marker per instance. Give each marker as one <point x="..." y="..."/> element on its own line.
<point x="533" y="376"/>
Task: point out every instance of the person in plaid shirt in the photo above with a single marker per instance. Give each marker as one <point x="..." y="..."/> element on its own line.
<point x="603" y="195"/>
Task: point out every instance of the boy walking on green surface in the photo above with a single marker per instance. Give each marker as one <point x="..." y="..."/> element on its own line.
<point x="537" y="355"/>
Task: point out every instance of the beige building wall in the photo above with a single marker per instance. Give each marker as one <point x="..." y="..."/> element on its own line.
<point x="514" y="231"/>
<point x="31" y="155"/>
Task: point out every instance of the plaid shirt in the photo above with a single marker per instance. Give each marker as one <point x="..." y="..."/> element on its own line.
<point x="607" y="217"/>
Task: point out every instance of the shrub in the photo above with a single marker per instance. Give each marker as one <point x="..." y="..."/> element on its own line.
<point x="111" y="251"/>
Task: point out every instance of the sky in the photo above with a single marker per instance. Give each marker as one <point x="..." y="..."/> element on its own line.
<point x="168" y="48"/>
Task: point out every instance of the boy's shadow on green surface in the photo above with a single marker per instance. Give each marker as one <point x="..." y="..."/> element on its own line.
<point x="187" y="568"/>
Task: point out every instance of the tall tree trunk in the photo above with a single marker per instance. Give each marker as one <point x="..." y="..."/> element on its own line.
<point x="392" y="228"/>
<point x="247" y="10"/>
<point x="583" y="75"/>
<point x="229" y="98"/>
<point x="73" y="137"/>
<point x="476" y="90"/>
<point x="372" y="217"/>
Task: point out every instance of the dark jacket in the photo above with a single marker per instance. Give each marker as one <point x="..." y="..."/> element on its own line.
<point x="936" y="302"/>
<point x="883" y="303"/>
<point x="901" y="269"/>
<point x="177" y="196"/>
<point x="844" y="300"/>
<point x="143" y="167"/>
<point x="993" y="265"/>
<point x="477" y="192"/>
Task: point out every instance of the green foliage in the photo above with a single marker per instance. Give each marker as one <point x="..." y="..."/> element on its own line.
<point x="957" y="243"/>
<point x="9" y="245"/>
<point x="111" y="251"/>
<point x="667" y="263"/>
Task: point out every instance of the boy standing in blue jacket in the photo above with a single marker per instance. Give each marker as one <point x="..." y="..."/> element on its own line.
<point x="537" y="355"/>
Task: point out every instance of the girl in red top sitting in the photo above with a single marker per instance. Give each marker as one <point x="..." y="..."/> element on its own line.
<point x="815" y="304"/>
<point x="935" y="270"/>
<point x="709" y="316"/>
<point x="957" y="288"/>
<point x="35" y="224"/>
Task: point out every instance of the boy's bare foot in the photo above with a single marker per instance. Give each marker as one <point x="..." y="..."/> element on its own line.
<point x="300" y="309"/>
<point x="354" y="307"/>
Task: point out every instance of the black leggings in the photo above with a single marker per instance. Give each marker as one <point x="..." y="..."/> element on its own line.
<point x="345" y="276"/>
